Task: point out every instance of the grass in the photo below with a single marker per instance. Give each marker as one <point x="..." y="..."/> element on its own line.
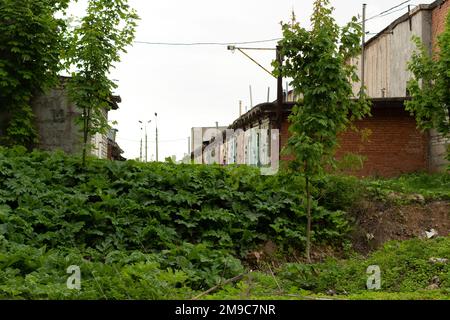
<point x="406" y="273"/>
<point x="431" y="186"/>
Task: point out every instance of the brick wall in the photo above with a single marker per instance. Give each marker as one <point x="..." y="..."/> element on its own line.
<point x="394" y="146"/>
<point x="439" y="16"/>
<point x="284" y="136"/>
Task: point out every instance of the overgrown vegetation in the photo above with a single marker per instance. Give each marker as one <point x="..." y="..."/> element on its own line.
<point x="37" y="44"/>
<point x="407" y="272"/>
<point x="31" y="43"/>
<point x="166" y="231"/>
<point x="197" y="220"/>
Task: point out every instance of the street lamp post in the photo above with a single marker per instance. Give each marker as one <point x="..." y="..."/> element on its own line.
<point x="156" y="126"/>
<point x="146" y="149"/>
<point x="140" y="148"/>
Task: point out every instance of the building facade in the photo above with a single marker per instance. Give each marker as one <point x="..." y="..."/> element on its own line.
<point x="388" y="140"/>
<point x="386" y="68"/>
<point x="56" y="120"/>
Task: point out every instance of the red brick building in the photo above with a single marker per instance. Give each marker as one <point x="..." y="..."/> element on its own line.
<point x="388" y="140"/>
<point x="394" y="145"/>
<point x="439" y="16"/>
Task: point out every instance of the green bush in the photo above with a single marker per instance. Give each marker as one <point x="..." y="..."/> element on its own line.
<point x="48" y="199"/>
<point x="195" y="220"/>
<point x="30" y="273"/>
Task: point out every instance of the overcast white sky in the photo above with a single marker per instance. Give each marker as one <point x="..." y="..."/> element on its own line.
<point x="192" y="86"/>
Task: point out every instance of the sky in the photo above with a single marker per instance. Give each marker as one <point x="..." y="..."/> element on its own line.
<point x="196" y="86"/>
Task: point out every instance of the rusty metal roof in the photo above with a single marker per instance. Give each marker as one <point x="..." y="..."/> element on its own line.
<point x="259" y="112"/>
<point x="268" y="109"/>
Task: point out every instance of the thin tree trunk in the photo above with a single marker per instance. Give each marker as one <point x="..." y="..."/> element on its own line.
<point x="87" y="115"/>
<point x="308" y="224"/>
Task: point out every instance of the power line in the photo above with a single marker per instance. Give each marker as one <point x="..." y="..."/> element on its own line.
<point x="205" y="43"/>
<point x="379" y="15"/>
<point x="395" y="7"/>
<point x="387" y="14"/>
<point x="388" y="11"/>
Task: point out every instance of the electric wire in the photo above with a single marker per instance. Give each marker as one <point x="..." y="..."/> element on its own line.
<point x="206" y="43"/>
<point x="379" y="15"/>
<point x="388" y="11"/>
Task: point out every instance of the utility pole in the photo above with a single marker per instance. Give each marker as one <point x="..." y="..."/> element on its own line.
<point x="156" y="125"/>
<point x="146" y="149"/>
<point x="140" y="149"/>
<point x="279" y="88"/>
<point x="189" y="146"/>
<point x="145" y="143"/>
<point x="363" y="49"/>
<point x="409" y="17"/>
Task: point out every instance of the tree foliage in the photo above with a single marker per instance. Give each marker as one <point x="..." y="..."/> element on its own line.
<point x="36" y="44"/>
<point x="94" y="46"/>
<point x="30" y="55"/>
<point x="430" y="86"/>
<point x="316" y="61"/>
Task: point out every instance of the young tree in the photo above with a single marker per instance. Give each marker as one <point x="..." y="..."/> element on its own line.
<point x="317" y="62"/>
<point x="430" y="87"/>
<point x="95" y="45"/>
<point x="30" y="53"/>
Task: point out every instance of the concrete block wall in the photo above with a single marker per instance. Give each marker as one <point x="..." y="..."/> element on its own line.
<point x="438" y="145"/>
<point x="56" y="122"/>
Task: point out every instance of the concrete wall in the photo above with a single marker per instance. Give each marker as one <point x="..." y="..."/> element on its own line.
<point x="438" y="151"/>
<point x="438" y="145"/>
<point x="57" y="127"/>
<point x="55" y="122"/>
<point x="387" y="56"/>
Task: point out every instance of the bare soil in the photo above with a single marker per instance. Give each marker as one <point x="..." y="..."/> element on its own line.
<point x="377" y="222"/>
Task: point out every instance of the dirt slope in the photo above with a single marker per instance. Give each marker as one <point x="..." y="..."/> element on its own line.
<point x="381" y="222"/>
